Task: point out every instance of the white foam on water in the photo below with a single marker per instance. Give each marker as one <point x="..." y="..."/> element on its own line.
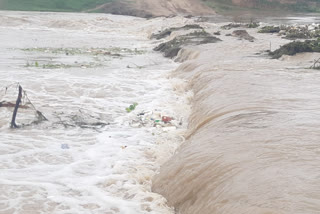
<point x="58" y="166"/>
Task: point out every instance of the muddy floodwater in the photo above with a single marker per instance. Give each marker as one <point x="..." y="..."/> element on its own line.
<point x="82" y="71"/>
<point x="253" y="140"/>
<point x="224" y="129"/>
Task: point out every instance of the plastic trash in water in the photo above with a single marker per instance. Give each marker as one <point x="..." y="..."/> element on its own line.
<point x="166" y="119"/>
<point x="169" y="128"/>
<point x="64" y="146"/>
<point x="131" y="107"/>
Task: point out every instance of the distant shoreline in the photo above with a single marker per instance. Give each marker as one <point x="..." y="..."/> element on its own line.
<point x="150" y="8"/>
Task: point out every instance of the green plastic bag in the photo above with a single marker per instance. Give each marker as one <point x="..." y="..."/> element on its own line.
<point x="132" y="107"/>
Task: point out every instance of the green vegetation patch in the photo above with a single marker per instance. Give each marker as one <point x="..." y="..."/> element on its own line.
<point x="52" y="5"/>
<point x="51" y="65"/>
<point x="295" y="47"/>
<point x="269" y="29"/>
<point x="238" y="25"/>
<point x="300" y="32"/>
<point x="227" y="6"/>
<point x="113" y="51"/>
<point x="253" y="25"/>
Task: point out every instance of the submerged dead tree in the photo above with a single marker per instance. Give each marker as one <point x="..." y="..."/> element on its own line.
<point x="316" y="64"/>
<point x="26" y="107"/>
<point x="14" y="115"/>
<point x="22" y="102"/>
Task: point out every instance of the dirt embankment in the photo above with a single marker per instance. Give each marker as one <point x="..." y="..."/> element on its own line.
<point x="152" y="8"/>
<point x="255" y="3"/>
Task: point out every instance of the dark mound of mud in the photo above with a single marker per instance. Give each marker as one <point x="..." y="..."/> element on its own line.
<point x="269" y="29"/>
<point x="242" y="34"/>
<point x="168" y="31"/>
<point x="171" y="48"/>
<point x="295" y="47"/>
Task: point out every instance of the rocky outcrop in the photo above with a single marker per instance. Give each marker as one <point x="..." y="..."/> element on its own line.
<point x="295" y="47"/>
<point x="243" y="34"/>
<point x="171" y="48"/>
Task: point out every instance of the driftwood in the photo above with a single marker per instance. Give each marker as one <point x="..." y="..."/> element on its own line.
<point x="316" y="64"/>
<point x="22" y="102"/>
<point x="14" y="115"/>
<point x="11" y="105"/>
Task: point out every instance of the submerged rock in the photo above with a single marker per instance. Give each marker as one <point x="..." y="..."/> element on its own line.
<point x="168" y="31"/>
<point x="295" y="47"/>
<point x="231" y="25"/>
<point x="242" y="34"/>
<point x="253" y="25"/>
<point x="171" y="48"/>
<point x="269" y="29"/>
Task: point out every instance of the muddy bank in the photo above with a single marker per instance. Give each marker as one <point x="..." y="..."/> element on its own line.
<point x="155" y="8"/>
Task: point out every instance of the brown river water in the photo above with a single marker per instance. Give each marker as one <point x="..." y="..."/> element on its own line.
<point x="251" y="145"/>
<point x="254" y="132"/>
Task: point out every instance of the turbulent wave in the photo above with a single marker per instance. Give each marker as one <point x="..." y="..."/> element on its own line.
<point x="252" y="145"/>
<point x="82" y="71"/>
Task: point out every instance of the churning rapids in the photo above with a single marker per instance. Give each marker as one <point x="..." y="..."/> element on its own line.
<point x="82" y="71"/>
<point x="251" y="147"/>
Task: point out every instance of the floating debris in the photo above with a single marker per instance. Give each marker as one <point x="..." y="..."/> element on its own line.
<point x="132" y="107"/>
<point x="123" y="147"/>
<point x="22" y="102"/>
<point x="65" y="146"/>
<point x="81" y="119"/>
<point x="166" y="119"/>
<point x="155" y="119"/>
